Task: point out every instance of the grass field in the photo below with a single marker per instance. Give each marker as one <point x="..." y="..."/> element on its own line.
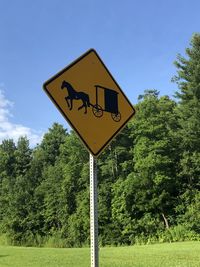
<point x="186" y="254"/>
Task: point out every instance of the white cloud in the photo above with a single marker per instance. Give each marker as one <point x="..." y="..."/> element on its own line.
<point x="9" y="130"/>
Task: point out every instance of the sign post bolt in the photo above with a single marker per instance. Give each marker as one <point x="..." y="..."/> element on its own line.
<point x="94" y="213"/>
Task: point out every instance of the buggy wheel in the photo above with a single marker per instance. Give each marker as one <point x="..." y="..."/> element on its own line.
<point x="97" y="111"/>
<point x="116" y="116"/>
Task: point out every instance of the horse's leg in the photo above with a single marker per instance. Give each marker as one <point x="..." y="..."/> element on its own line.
<point x="66" y="98"/>
<point x="88" y="101"/>
<point x="84" y="105"/>
<point x="81" y="107"/>
<point x="71" y="103"/>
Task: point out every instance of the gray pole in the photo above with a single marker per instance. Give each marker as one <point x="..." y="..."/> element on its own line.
<point x="93" y="213"/>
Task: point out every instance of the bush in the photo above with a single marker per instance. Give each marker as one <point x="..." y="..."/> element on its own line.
<point x="178" y="233"/>
<point x="4" y="240"/>
<point x="55" y="241"/>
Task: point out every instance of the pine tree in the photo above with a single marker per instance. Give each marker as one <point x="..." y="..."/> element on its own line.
<point x="51" y="143"/>
<point x="188" y="80"/>
<point x="23" y="156"/>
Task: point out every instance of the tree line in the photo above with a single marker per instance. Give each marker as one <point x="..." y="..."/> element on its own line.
<point x="148" y="177"/>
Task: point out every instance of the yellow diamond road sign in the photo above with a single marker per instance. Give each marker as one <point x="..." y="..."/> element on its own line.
<point x="90" y="100"/>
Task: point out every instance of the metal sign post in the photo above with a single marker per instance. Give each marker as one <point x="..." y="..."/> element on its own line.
<point x="93" y="213"/>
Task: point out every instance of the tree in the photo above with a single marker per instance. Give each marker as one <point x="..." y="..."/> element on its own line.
<point x="188" y="111"/>
<point x="7" y="159"/>
<point x="7" y="181"/>
<point x="51" y="143"/>
<point x="23" y="156"/>
<point x="188" y="80"/>
<point x="155" y="155"/>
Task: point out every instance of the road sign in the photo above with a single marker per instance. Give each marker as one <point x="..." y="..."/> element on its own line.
<point x="91" y="101"/>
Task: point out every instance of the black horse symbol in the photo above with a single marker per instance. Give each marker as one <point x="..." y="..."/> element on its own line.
<point x="73" y="94"/>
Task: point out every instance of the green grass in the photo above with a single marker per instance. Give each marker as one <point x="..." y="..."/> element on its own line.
<point x="186" y="254"/>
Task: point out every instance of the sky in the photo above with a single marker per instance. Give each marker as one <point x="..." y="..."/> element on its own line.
<point x="138" y="40"/>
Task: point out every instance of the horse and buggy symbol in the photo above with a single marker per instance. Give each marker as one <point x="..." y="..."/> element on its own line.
<point x="110" y="101"/>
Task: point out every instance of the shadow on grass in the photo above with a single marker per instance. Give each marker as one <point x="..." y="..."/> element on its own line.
<point x="2" y="256"/>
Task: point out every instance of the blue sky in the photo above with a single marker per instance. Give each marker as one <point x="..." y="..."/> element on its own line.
<point x="138" y="40"/>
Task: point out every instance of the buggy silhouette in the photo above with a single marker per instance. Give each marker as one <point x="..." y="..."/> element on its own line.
<point x="110" y="104"/>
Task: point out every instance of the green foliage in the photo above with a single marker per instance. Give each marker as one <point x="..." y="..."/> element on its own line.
<point x="188" y="80"/>
<point x="22" y="156"/>
<point x="178" y="233"/>
<point x="155" y="189"/>
<point x="51" y="143"/>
